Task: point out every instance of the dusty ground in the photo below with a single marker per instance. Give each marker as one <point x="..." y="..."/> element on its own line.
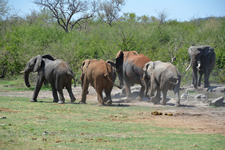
<point x="193" y="114"/>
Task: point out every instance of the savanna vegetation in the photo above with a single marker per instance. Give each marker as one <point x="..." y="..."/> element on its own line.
<point x="93" y="38"/>
<point x="45" y="125"/>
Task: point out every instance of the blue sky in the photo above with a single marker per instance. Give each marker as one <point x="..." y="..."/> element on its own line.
<point x="182" y="10"/>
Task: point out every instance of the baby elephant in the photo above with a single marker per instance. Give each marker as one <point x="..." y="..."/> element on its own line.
<point x="56" y="72"/>
<point x="101" y="76"/>
<point x="161" y="76"/>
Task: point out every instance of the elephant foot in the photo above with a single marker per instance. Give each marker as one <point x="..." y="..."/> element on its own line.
<point x="139" y="98"/>
<point x="61" y="102"/>
<point x="105" y="99"/>
<point x="155" y="100"/>
<point x="163" y="102"/>
<point x="177" y="105"/>
<point x="101" y="104"/>
<point x="82" y="102"/>
<point x="73" y="100"/>
<point x="109" y="103"/>
<point x="128" y="100"/>
<point x="33" y="100"/>
<point x="206" y="85"/>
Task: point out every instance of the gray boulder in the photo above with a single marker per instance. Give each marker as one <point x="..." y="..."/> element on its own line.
<point x="217" y="102"/>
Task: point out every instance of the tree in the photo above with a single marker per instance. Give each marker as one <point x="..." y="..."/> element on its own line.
<point x="162" y="15"/>
<point x="64" y="10"/>
<point x="130" y="17"/>
<point x="3" y="7"/>
<point x="110" y="9"/>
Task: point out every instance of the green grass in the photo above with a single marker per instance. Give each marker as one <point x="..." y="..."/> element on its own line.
<point x="47" y="125"/>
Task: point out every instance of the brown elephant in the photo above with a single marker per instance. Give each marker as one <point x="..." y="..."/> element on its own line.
<point x="129" y="66"/>
<point x="100" y="75"/>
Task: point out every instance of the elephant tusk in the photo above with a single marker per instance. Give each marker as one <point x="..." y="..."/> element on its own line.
<point x="22" y="71"/>
<point x="199" y="64"/>
<point x="188" y="67"/>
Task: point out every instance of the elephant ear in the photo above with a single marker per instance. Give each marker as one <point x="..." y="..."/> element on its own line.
<point x="110" y="62"/>
<point x="145" y="68"/>
<point x="208" y="53"/>
<point x="119" y="60"/>
<point x="37" y="65"/>
<point x="48" y="57"/>
<point x="135" y="53"/>
<point x="85" y="64"/>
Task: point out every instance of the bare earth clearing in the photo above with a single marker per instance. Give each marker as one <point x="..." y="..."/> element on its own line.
<point x="194" y="114"/>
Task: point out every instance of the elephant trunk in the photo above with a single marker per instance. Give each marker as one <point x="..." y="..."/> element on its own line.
<point x="26" y="78"/>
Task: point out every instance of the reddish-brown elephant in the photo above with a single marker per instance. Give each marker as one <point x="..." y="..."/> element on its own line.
<point x="100" y="75"/>
<point x="129" y="66"/>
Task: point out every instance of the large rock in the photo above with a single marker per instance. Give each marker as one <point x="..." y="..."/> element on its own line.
<point x="217" y="102"/>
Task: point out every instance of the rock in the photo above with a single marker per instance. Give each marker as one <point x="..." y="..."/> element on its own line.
<point x="217" y="102"/>
<point x="190" y="90"/>
<point x="198" y="96"/>
<point x="183" y="96"/>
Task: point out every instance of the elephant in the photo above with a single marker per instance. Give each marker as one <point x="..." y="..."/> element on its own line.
<point x="129" y="67"/>
<point x="54" y="71"/>
<point x="101" y="76"/>
<point x="202" y="60"/>
<point x="161" y="77"/>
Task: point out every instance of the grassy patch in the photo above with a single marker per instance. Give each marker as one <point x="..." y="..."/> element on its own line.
<point x="46" y="125"/>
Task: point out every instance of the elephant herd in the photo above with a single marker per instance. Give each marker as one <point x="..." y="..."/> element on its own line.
<point x="132" y="68"/>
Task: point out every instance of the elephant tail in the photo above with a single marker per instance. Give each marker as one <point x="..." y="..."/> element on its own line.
<point x="74" y="80"/>
<point x="107" y="76"/>
<point x="71" y="74"/>
<point x="174" y="83"/>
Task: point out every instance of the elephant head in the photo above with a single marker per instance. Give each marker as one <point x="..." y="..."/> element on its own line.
<point x="33" y="65"/>
<point x="148" y="69"/>
<point x="199" y="55"/>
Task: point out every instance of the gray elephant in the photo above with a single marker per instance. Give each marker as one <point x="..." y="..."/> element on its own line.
<point x="129" y="66"/>
<point x="161" y="77"/>
<point x="56" y="72"/>
<point x="202" y="60"/>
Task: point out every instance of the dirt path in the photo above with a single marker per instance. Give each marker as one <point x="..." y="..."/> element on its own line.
<point x="194" y="115"/>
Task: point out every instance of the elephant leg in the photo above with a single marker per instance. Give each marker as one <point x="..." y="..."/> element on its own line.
<point x="163" y="101"/>
<point x="206" y="78"/>
<point x="108" y="99"/>
<point x="69" y="89"/>
<point x="139" y="98"/>
<point x="100" y="99"/>
<point x="200" y="78"/>
<point x="177" y="95"/>
<point x="61" y="97"/>
<point x="156" y="99"/>
<point x="84" y="94"/>
<point x="54" y="94"/>
<point x="128" y="92"/>
<point x="38" y="85"/>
